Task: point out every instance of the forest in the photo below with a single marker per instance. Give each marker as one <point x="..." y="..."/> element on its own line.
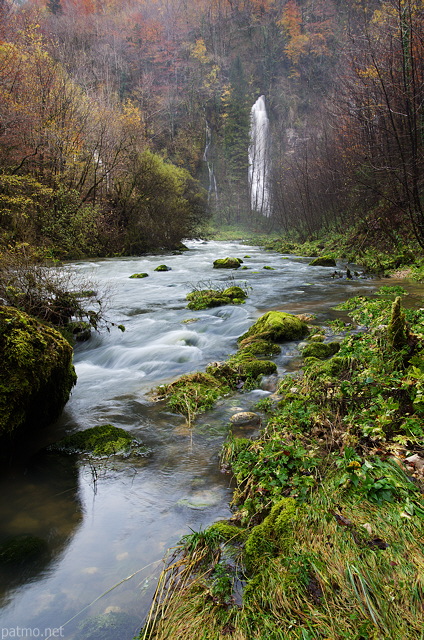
<point x="125" y="126"/>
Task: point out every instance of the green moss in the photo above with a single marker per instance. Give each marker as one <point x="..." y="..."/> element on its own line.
<point x="253" y="368"/>
<point x="274" y="535"/>
<point x="101" y="441"/>
<point x="318" y="369"/>
<point x="192" y="394"/>
<point x="321" y="350"/>
<point x="235" y="293"/>
<point x="259" y="347"/>
<point x="36" y="372"/>
<point x="227" y="263"/>
<point x="163" y="267"/>
<point x="277" y="327"/>
<point x="396" y="330"/>
<point x="21" y="549"/>
<point x="144" y="275"/>
<point x="318" y="337"/>
<point x="207" y="298"/>
<point x="228" y="532"/>
<point x="323" y="261"/>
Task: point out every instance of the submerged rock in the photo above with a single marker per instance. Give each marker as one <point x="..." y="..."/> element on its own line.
<point x="323" y="261"/>
<point x="108" y="626"/>
<point x="36" y="372"/>
<point x="22" y="548"/>
<point x="227" y="263"/>
<point x="277" y="326"/>
<point x="244" y="418"/>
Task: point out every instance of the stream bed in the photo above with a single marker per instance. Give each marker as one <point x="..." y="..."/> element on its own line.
<point x="107" y="521"/>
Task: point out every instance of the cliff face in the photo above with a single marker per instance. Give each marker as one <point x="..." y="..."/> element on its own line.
<point x="36" y="372"/>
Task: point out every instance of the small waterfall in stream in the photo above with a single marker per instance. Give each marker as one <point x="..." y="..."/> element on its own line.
<point x="212" y="189"/>
<point x="259" y="158"/>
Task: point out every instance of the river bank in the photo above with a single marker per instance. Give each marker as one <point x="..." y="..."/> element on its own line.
<point x="325" y="540"/>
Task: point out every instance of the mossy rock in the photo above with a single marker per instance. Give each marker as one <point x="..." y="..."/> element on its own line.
<point x="144" y="275"/>
<point x="274" y="535"/>
<point x="327" y="369"/>
<point x="277" y="326"/>
<point x="248" y="367"/>
<point x="228" y="532"/>
<point x="227" y="263"/>
<point x="193" y="393"/>
<point x="100" y="442"/>
<point x="235" y="293"/>
<point x="163" y="267"/>
<point x="323" y="261"/>
<point x="318" y="337"/>
<point x="81" y="331"/>
<point x="36" y="372"/>
<point x="321" y="350"/>
<point x="258" y="347"/>
<point x="207" y="298"/>
<point x="268" y="268"/>
<point x="20" y="549"/>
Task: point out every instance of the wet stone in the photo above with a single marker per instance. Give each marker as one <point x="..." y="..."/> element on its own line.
<point x="245" y="418"/>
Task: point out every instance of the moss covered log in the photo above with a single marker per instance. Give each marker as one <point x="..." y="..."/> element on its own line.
<point x="36" y="372"/>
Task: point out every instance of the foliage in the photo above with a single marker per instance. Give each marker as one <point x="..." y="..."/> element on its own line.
<point x="54" y="294"/>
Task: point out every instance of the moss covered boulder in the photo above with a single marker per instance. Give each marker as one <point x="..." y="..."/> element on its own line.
<point x="321" y="350"/>
<point x="227" y="263"/>
<point x="141" y="275"/>
<point x="207" y="298"/>
<point x="276" y="326"/>
<point x="323" y="261"/>
<point x="36" y="372"/>
<point x="163" y="267"/>
<point x="100" y="442"/>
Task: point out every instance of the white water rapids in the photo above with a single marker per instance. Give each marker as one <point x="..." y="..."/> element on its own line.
<point x="104" y="522"/>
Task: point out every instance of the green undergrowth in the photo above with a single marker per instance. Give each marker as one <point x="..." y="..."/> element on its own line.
<point x="353" y="247"/>
<point x="326" y="541"/>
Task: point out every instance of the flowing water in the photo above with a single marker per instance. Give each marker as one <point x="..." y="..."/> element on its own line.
<point x="107" y="521"/>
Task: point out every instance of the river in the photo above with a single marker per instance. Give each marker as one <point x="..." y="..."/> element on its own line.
<point x="105" y="522"/>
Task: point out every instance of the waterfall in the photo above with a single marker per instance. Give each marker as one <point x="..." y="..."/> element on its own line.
<point x="212" y="189"/>
<point x="259" y="158"/>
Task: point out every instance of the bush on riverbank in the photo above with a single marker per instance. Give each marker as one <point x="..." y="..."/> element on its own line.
<point x="329" y="523"/>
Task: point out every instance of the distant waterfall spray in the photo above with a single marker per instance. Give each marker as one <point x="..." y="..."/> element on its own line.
<point x="259" y="158"/>
<point x="212" y="189"/>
